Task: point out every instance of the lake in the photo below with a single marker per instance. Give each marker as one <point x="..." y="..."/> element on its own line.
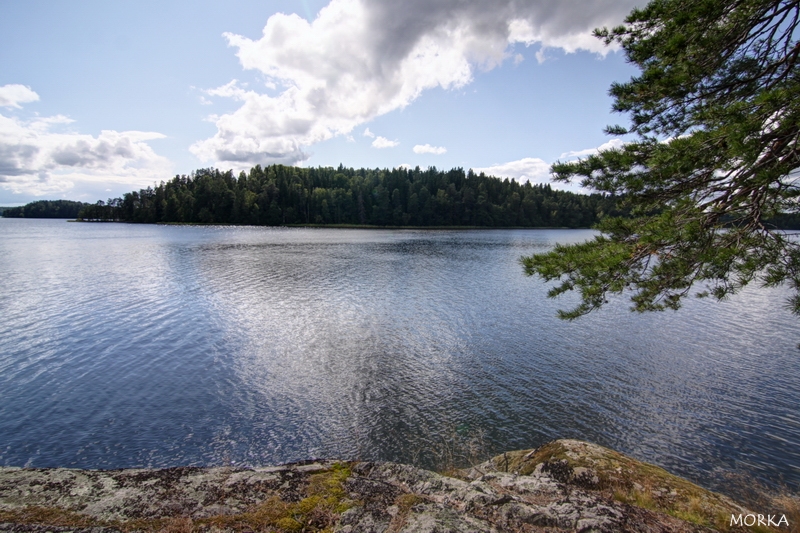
<point x="149" y="346"/>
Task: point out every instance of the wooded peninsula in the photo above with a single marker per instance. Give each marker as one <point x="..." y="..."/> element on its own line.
<point x="45" y="209"/>
<point x="283" y="195"/>
<point x="278" y="195"/>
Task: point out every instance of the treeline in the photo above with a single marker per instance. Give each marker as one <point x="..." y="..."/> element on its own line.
<point x="277" y="195"/>
<point x="46" y="209"/>
<point x="790" y="221"/>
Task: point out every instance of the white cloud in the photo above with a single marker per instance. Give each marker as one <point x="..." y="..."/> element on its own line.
<point x="610" y="145"/>
<point x="363" y="58"/>
<point x="537" y="171"/>
<point x="35" y="160"/>
<point x="530" y="169"/>
<point x="540" y="55"/>
<point x="229" y="90"/>
<point x="368" y="133"/>
<point x="13" y="95"/>
<point x="428" y="149"/>
<point x="383" y="142"/>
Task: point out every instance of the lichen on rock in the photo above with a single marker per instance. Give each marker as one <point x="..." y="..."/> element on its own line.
<point x="565" y="485"/>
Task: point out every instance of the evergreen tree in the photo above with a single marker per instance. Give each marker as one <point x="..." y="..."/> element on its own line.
<point x="277" y="195"/>
<point x="46" y="209"/>
<point x="715" y="117"/>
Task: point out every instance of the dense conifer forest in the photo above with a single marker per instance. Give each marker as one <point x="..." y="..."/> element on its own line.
<point x="279" y="195"/>
<point x="45" y="209"/>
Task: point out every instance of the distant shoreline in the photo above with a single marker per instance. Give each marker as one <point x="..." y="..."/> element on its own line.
<point x="333" y="226"/>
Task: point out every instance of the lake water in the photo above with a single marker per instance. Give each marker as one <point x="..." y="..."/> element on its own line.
<point x="132" y="345"/>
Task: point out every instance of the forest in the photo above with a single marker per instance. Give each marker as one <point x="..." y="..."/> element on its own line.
<point x="284" y="195"/>
<point x="45" y="209"/>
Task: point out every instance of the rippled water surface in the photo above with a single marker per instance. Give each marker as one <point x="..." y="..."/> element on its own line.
<point x="128" y="345"/>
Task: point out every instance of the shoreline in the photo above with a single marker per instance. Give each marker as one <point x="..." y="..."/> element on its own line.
<point x="333" y="226"/>
<point x="564" y="485"/>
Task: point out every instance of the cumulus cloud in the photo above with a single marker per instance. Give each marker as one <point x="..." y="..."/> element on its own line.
<point x="610" y="145"/>
<point x="36" y="160"/>
<point x="530" y="169"/>
<point x="537" y="171"/>
<point x="13" y="95"/>
<point x="368" y="133"/>
<point x="428" y="149"/>
<point x="383" y="142"/>
<point x="363" y="58"/>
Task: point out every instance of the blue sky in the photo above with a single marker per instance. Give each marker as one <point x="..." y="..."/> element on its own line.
<point x="98" y="98"/>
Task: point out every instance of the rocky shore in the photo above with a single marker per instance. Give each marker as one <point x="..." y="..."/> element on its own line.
<point x="565" y="485"/>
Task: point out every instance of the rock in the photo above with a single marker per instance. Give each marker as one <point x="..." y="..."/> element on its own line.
<point x="563" y="486"/>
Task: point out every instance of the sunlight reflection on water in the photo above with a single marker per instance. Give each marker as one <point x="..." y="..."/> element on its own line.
<point x="125" y="345"/>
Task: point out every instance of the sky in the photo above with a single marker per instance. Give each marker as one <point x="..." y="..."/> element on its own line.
<point x="99" y="98"/>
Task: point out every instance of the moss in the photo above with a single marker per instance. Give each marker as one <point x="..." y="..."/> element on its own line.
<point x="58" y="517"/>
<point x="524" y="462"/>
<point x="288" y="524"/>
<point x="406" y="501"/>
<point x="325" y="500"/>
<point x="625" y="480"/>
<point x="52" y="516"/>
<point x="690" y="516"/>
